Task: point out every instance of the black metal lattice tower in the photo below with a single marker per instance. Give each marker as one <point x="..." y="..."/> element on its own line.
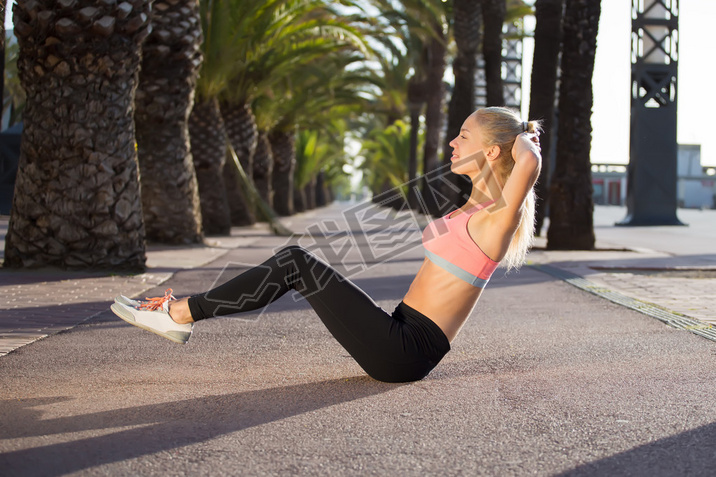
<point x="652" y="169"/>
<point x="511" y="69"/>
<point x="512" y="65"/>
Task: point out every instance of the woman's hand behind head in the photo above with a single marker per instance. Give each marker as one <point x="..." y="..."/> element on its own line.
<point x="526" y="145"/>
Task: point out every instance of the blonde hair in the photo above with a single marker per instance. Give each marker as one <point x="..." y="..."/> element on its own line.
<point x="500" y="127"/>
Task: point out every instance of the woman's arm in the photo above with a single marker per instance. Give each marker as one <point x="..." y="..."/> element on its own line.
<point x="528" y="161"/>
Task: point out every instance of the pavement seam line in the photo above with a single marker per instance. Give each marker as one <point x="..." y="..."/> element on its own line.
<point x="21" y="342"/>
<point x="668" y="317"/>
<point x="26" y="341"/>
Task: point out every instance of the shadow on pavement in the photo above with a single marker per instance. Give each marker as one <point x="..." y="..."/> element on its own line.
<point x="49" y="318"/>
<point x="165" y="426"/>
<point x="688" y="453"/>
<point x="699" y="260"/>
<point x="9" y="277"/>
<point x="515" y="278"/>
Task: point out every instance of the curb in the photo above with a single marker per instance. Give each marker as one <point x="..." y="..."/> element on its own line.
<point x="666" y="316"/>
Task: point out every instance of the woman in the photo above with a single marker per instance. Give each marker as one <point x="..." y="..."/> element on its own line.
<point x="500" y="153"/>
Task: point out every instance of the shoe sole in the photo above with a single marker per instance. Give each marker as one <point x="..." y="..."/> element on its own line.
<point x="180" y="337"/>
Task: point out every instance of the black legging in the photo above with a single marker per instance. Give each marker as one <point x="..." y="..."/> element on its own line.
<point x="398" y="347"/>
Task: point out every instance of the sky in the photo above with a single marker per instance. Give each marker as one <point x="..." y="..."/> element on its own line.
<point x="612" y="81"/>
<point x="612" y="77"/>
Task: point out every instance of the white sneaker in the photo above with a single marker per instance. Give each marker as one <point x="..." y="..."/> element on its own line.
<point x="124" y="300"/>
<point x="153" y="316"/>
<point x="148" y="303"/>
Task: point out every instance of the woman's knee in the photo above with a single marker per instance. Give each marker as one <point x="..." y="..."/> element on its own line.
<point x="295" y="255"/>
<point x="291" y="250"/>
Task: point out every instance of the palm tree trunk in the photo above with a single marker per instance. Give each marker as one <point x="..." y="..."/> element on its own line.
<point x="493" y="16"/>
<point x="284" y="156"/>
<point x="299" y="200"/>
<point x="413" y="159"/>
<point x="249" y="190"/>
<point x="548" y="39"/>
<point x="242" y="133"/>
<point x="263" y="168"/>
<point x="208" y="146"/>
<point x="466" y="31"/>
<point x="320" y="189"/>
<point x="2" y="49"/>
<point x="165" y="95"/>
<point x="571" y="203"/>
<point x="77" y="202"/>
<point x="435" y="71"/>
<point x="416" y="100"/>
<point x="309" y="192"/>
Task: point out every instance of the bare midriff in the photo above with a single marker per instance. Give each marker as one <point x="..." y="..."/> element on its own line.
<point x="442" y="297"/>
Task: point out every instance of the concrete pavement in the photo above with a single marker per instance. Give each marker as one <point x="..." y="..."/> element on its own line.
<point x="672" y="268"/>
<point x="544" y="379"/>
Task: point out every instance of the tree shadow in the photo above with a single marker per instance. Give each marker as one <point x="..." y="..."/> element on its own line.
<point x="163" y="426"/>
<point x="687" y="453"/>
<point x="32" y="276"/>
<point x="49" y="319"/>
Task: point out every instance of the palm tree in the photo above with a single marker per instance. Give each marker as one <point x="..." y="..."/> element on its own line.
<point x="15" y="102"/>
<point x="493" y="17"/>
<point x="316" y="151"/>
<point x="312" y="95"/>
<point x="571" y="203"/>
<point x="235" y="105"/>
<point x="224" y="24"/>
<point x="77" y="201"/>
<point x="208" y="146"/>
<point x="275" y="36"/>
<point x="386" y="153"/>
<point x="263" y="168"/>
<point x="394" y="79"/>
<point x="338" y="183"/>
<point x="254" y="198"/>
<point x="170" y="64"/>
<point x="404" y="83"/>
<point x="2" y="48"/>
<point x="416" y="99"/>
<point x="419" y="24"/>
<point x="284" y="156"/>
<point x="242" y="134"/>
<point x="435" y="93"/>
<point x="466" y="20"/>
<point x="232" y="31"/>
<point x="321" y="190"/>
<point x="548" y="38"/>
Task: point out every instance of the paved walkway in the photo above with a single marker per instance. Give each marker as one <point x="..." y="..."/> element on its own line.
<point x="670" y="267"/>
<point x="544" y="379"/>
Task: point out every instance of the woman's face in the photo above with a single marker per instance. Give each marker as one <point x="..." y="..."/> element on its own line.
<point x="467" y="149"/>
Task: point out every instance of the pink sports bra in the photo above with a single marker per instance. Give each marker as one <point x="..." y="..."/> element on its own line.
<point x="449" y="245"/>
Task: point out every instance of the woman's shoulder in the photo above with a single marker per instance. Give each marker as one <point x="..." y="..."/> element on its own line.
<point x="491" y="230"/>
<point x="485" y="221"/>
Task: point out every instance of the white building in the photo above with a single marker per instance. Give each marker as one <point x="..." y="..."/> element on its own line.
<point x="696" y="185"/>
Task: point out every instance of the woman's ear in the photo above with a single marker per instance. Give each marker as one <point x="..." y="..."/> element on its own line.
<point x="492" y="153"/>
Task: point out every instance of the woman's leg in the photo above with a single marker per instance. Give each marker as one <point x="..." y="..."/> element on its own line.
<point x="388" y="348"/>
<point x="256" y="287"/>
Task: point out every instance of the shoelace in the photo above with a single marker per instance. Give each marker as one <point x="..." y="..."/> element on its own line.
<point x="156" y="303"/>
